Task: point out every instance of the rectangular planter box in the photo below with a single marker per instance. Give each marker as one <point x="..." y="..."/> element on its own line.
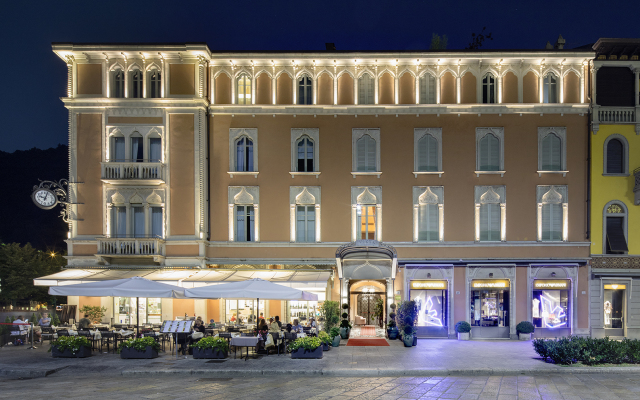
<point x="83" y="352"/>
<point x="325" y="347"/>
<point x="208" y="353"/>
<point x="132" y="353"/>
<point x="302" y="353"/>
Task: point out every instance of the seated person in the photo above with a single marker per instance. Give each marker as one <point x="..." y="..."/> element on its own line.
<point x="278" y="321"/>
<point x="85" y="322"/>
<point x="212" y="323"/>
<point x="296" y="326"/>
<point x="288" y="328"/>
<point x="23" y="329"/>
<point x="45" y="321"/>
<point x="233" y="318"/>
<point x="262" y="325"/>
<point x="273" y="325"/>
<point x="312" y="323"/>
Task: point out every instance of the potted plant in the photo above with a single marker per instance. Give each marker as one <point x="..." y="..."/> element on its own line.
<point x="71" y="347"/>
<point x="525" y="329"/>
<point x="407" y="336"/>
<point x="145" y="347"/>
<point x="330" y="312"/>
<point x="392" y="330"/>
<point x="306" y="347"/>
<point x="325" y="339"/>
<point x="95" y="313"/>
<point x="463" y="328"/>
<point x="335" y="335"/>
<point x="211" y="347"/>
<point x="407" y="314"/>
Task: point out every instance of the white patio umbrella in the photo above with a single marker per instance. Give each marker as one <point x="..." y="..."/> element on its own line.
<point x="130" y="287"/>
<point x="249" y="290"/>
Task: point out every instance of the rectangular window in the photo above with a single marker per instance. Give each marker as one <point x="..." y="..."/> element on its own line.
<point x="366" y="148"/>
<point x="432" y="307"/>
<point x="614" y="310"/>
<point x="156" y="222"/>
<point x="550" y="308"/>
<point x="138" y="221"/>
<point x="490" y="308"/>
<point x="490" y="222"/>
<point x="616" y="240"/>
<point x="244" y="224"/>
<point x="428" y="224"/>
<point x="118" y="221"/>
<point x="155" y="150"/>
<point x="367" y="221"/>
<point x="117" y="148"/>
<point x="552" y="222"/>
<point x="137" y="149"/>
<point x="427" y="89"/>
<point x="306" y="224"/>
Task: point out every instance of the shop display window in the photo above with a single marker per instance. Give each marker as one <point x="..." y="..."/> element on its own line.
<point x="550" y="309"/>
<point x="432" y="306"/>
<point x="302" y="310"/>
<point x="614" y="307"/>
<point x="242" y="311"/>
<point x="150" y="310"/>
<point x="490" y="308"/>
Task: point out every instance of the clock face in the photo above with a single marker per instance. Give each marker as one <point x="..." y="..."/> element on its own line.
<point x="44" y="199"/>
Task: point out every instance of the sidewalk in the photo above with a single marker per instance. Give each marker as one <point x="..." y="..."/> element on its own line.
<point x="431" y="357"/>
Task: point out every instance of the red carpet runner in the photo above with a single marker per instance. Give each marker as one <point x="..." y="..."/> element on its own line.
<point x="367" y="342"/>
<point x="368" y="331"/>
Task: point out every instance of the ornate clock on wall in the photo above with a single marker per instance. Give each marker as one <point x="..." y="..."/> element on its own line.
<point x="49" y="194"/>
<point x="44" y="198"/>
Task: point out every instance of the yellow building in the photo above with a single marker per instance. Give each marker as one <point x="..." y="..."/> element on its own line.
<point x="615" y="189"/>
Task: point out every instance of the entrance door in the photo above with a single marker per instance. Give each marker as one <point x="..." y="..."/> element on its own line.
<point x="614" y="307"/>
<point x="366" y="307"/>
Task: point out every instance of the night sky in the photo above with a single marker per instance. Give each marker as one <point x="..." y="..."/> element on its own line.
<point x="34" y="78"/>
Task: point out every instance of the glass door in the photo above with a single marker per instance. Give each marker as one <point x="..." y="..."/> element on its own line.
<point x="614" y="309"/>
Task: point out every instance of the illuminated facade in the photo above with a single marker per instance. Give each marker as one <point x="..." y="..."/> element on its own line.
<point x="615" y="188"/>
<point x="352" y="174"/>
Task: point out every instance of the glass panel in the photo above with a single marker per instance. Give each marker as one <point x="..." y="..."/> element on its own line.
<point x="489" y="153"/>
<point x="240" y="224"/>
<point x="249" y="155"/>
<point x="300" y="224"/>
<point x="118" y="221"/>
<point x="138" y="221"/>
<point x="615" y="157"/>
<point x="550" y="308"/>
<point x="432" y="307"/>
<point x="490" y="308"/>
<point x="156" y="222"/>
<point x="614" y="308"/>
<point x="117" y="148"/>
<point x="367" y="222"/>
<point x="137" y="149"/>
<point x="240" y="150"/>
<point x="154" y="310"/>
<point x="155" y="150"/>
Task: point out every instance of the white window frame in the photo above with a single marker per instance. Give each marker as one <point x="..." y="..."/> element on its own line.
<point x="370" y="196"/>
<point x="304" y="196"/>
<point x="488" y="87"/>
<point x="491" y="195"/>
<point x="428" y="79"/>
<point x="368" y="98"/>
<point x="546" y="87"/>
<point x="244" y="196"/>
<point x="112" y="82"/>
<point x="234" y="135"/>
<point x="129" y="199"/>
<point x="356" y="134"/>
<point x="308" y="87"/>
<point x="147" y="133"/>
<point x="560" y="132"/>
<point x="498" y="132"/>
<point x="427" y="195"/>
<point x="296" y="135"/>
<point x="150" y="83"/>
<point x="419" y="133"/>
<point x="553" y="194"/>
<point x="625" y="161"/>
<point x="134" y="68"/>
<point x="625" y="222"/>
<point x="246" y="76"/>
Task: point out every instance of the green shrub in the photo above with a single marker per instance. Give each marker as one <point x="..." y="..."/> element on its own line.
<point x="324" y="337"/>
<point x="139" y="344"/>
<point x="540" y="347"/>
<point x="408" y="330"/>
<point x="210" y="342"/>
<point x="406" y="309"/>
<point x="334" y="332"/>
<point x="392" y="315"/>
<point x="391" y="324"/>
<point x="589" y="351"/>
<point x="463" y="327"/>
<point x="345" y="324"/>
<point x="525" y="327"/>
<point x="72" y="343"/>
<point x="345" y="315"/>
<point x="307" y="343"/>
<point x="330" y="310"/>
<point x="393" y="306"/>
<point x="345" y="306"/>
<point x="633" y="351"/>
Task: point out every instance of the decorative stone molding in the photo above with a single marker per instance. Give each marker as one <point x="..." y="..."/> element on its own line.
<point x="419" y="133"/>
<point x="234" y="135"/>
<point x="314" y="135"/>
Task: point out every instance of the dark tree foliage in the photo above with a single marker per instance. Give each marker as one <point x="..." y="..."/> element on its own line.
<point x="21" y="220"/>
<point x="477" y="40"/>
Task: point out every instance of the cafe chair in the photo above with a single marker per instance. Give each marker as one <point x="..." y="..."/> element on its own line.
<point x="108" y="338"/>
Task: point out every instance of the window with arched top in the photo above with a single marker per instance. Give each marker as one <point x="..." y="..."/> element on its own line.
<point x="244" y="154"/>
<point x="552" y="213"/>
<point x="305" y="154"/>
<point x="305" y="90"/>
<point x="428" y="206"/>
<point x="366" y="89"/>
<point x="243" y="89"/>
<point x="366" y="149"/>
<point x="117" y="84"/>
<point x="135" y="77"/>
<point x="155" y="84"/>
<point x="117" y="148"/>
<point x="616" y="155"/>
<point x="305" y="213"/>
<point x="490" y="213"/>
<point x="489" y="157"/>
<point x="550" y="88"/>
<point x="615" y="228"/>
<point x="428" y="153"/>
<point x="489" y="89"/>
<point x="427" y="89"/>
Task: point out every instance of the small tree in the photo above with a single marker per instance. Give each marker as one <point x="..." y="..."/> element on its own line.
<point x="477" y="40"/>
<point x="95" y="313"/>
<point x="406" y="309"/>
<point x="330" y="310"/>
<point x="439" y="42"/>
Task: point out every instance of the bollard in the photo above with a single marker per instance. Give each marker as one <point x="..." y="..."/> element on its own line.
<point x="32" y="335"/>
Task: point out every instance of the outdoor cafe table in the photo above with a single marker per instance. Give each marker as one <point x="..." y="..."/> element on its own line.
<point x="245" y="341"/>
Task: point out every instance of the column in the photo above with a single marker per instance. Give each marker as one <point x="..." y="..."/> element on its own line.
<point x="292" y="219"/>
<point x="294" y="86"/>
<point x="256" y="222"/>
<point x="375" y="86"/>
<point x="314" y="88"/>
<point x="582" y="85"/>
<point x="70" y="60"/>
<point x="637" y="84"/>
<point x="147" y="220"/>
<point x="163" y="79"/>
<point x="274" y="82"/>
<point x="561" y="83"/>
<point x="354" y="222"/>
<point x="458" y="81"/>
<point x="379" y="222"/>
<point x="520" y="86"/>
<point x="503" y="222"/>
<point x="212" y="84"/>
<point x="417" y="85"/>
<point x="499" y="78"/>
<point x="541" y="87"/>
<point x="335" y="89"/>
<point x="234" y="86"/>
<point x="416" y="223"/>
<point x="438" y="87"/>
<point x="396" y="88"/>
<point x="253" y="86"/>
<point x="356" y="101"/>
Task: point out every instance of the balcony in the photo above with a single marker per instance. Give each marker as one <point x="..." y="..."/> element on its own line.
<point x="136" y="173"/>
<point x="131" y="247"/>
<point x="616" y="115"/>
<point x="636" y="187"/>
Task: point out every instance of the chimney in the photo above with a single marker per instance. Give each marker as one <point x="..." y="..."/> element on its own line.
<point x="549" y="46"/>
<point x="559" y="43"/>
<point x="330" y="46"/>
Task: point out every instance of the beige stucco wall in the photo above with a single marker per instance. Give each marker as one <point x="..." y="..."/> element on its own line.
<point x="182" y="79"/>
<point x="345" y="89"/>
<point x="325" y="89"/>
<point x="459" y="295"/>
<point x="84" y="249"/>
<point x="263" y="89"/>
<point x="223" y="89"/>
<point x="89" y="78"/>
<point x="530" y="93"/>
<point x="284" y="91"/>
<point x="181" y="128"/>
<point x="89" y="155"/>
<point x="571" y="88"/>
<point x="135" y="120"/>
<point x="407" y="89"/>
<point x="181" y="250"/>
<point x="522" y="294"/>
<point x="182" y="306"/>
<point x="583" y="299"/>
<point x="448" y="89"/>
<point x="386" y="89"/>
<point x="468" y="89"/>
<point x="509" y="88"/>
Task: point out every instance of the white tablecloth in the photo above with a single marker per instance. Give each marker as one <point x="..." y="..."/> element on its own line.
<point x="245" y="341"/>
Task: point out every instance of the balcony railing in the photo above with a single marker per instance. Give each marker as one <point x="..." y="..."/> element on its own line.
<point x="616" y="115"/>
<point x="143" y="171"/>
<point x="636" y="187"/>
<point x="131" y="246"/>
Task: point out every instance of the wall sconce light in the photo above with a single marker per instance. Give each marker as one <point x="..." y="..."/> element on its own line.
<point x="490" y="274"/>
<point x="429" y="275"/>
<point x="553" y="274"/>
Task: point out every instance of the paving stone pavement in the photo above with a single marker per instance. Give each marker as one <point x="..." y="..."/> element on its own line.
<point x="97" y="386"/>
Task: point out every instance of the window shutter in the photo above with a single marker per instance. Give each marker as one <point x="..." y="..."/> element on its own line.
<point x="432" y="153"/>
<point x="551" y="153"/>
<point x="433" y="226"/>
<point x="556" y="222"/>
<point x="432" y="89"/>
<point x="494" y="153"/>
<point x="300" y="224"/>
<point x="484" y="153"/>
<point x="117" y="143"/>
<point x="423" y="154"/>
<point x="615" y="157"/>
<point x="240" y="224"/>
<point x="546" y="222"/>
<point x="138" y="221"/>
<point x="156" y="222"/>
<point x="155" y="149"/>
<point x="371" y="154"/>
<point x="370" y="90"/>
<point x="311" y="224"/>
<point x="250" y="224"/>
<point x="309" y="155"/>
<point x="494" y="222"/>
<point x="240" y="155"/>
<point x="361" y="154"/>
<point x="301" y="155"/>
<point x="423" y="89"/>
<point x="362" y="96"/>
<point x="616" y="241"/>
<point x="249" y="153"/>
<point x="484" y="222"/>
<point x="423" y="220"/>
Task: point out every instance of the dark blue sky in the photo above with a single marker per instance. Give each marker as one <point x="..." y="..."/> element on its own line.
<point x="34" y="78"/>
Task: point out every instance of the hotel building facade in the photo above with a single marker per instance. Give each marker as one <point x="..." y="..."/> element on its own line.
<point x="454" y="178"/>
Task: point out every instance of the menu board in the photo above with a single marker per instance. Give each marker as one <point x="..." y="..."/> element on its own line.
<point x="176" y="326"/>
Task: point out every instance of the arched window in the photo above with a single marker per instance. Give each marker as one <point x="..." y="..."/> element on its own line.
<point x="305" y="90"/>
<point x="427" y="154"/>
<point x="243" y="89"/>
<point x="118" y="221"/>
<point x="551" y="153"/>
<point x="615" y="228"/>
<point x="365" y="89"/>
<point x="489" y="153"/>
<point x="244" y="154"/>
<point x="615" y="160"/>
<point x="137" y="147"/>
<point x="427" y="89"/>
<point x="550" y="88"/>
<point x="155" y="84"/>
<point x="305" y="154"/>
<point x="488" y="89"/>
<point x="117" y="149"/>
<point x="136" y="84"/>
<point x="366" y="149"/>
<point x="117" y="89"/>
<point x="551" y="215"/>
<point x="155" y="149"/>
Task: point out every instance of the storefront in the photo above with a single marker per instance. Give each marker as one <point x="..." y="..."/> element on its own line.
<point x="551" y="307"/>
<point x="149" y="309"/>
<point x="433" y="308"/>
<point x="302" y="310"/>
<point x="614" y="309"/>
<point x="490" y="308"/>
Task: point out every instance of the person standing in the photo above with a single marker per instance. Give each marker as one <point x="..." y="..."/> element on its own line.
<point x="85" y="322"/>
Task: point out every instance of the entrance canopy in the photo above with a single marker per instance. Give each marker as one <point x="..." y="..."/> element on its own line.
<point x="366" y="259"/>
<point x="129" y="287"/>
<point x="250" y="289"/>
